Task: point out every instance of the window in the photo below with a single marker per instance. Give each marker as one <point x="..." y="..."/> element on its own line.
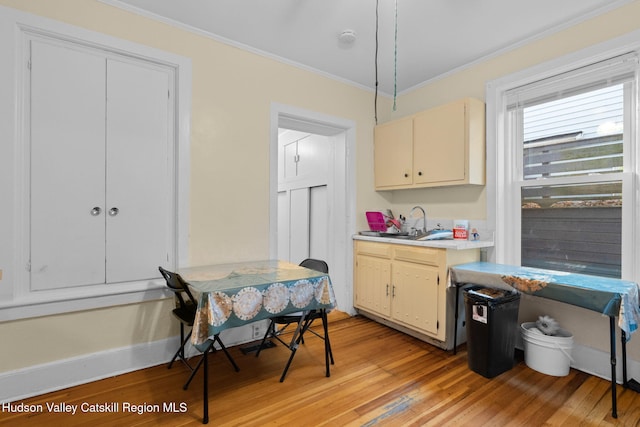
<point x="567" y="169"/>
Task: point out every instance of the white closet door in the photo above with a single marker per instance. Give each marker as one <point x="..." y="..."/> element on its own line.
<point x="283" y="225"/>
<point x="318" y="223"/>
<point x="137" y="184"/>
<point x="67" y="167"/>
<point x="299" y="225"/>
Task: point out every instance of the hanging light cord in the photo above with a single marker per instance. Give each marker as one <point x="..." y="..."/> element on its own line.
<point x="395" y="61"/>
<point x="375" y="98"/>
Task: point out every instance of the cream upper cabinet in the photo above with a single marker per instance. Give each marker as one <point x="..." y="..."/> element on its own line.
<point x="393" y="147"/>
<point x="447" y="148"/>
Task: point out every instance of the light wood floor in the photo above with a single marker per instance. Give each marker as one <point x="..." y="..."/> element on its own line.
<point x="381" y="378"/>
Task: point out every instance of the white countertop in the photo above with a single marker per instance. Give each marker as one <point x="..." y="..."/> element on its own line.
<point x="444" y="244"/>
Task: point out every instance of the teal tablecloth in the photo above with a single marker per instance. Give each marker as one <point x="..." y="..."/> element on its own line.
<point x="612" y="297"/>
<point x="232" y="295"/>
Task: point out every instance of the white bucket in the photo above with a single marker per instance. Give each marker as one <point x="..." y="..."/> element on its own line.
<point x="550" y="355"/>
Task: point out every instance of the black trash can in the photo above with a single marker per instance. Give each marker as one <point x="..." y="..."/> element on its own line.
<point x="492" y="329"/>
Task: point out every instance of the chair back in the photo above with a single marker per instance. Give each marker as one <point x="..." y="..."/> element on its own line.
<point x="176" y="283"/>
<point x="315" y="264"/>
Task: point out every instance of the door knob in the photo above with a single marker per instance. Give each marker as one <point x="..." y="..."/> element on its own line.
<point x="113" y="211"/>
<point x="96" y="211"/>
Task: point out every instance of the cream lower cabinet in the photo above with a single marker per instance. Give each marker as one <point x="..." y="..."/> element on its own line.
<point x="405" y="287"/>
<point x="414" y="293"/>
<point x="376" y="295"/>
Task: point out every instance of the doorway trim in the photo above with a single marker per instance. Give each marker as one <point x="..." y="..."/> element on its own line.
<point x="343" y="227"/>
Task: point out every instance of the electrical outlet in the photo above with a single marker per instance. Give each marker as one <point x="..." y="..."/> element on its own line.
<point x="256" y="331"/>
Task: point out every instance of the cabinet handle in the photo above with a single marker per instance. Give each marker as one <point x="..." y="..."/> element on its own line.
<point x="406" y="175"/>
<point x="393" y="291"/>
<point x="387" y="289"/>
<point x="95" y="211"/>
<point x="113" y="211"/>
<point x="420" y="173"/>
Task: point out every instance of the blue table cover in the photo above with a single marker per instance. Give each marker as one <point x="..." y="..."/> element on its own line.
<point x="232" y="295"/>
<point x="612" y="297"/>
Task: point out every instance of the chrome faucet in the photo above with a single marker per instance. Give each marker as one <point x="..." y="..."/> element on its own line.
<point x="424" y="220"/>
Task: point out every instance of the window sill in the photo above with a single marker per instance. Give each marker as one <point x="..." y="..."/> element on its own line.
<point x="58" y="301"/>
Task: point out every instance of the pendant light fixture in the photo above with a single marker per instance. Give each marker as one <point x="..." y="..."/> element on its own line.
<point x="395" y="61"/>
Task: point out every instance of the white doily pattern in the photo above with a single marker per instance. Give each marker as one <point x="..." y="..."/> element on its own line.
<point x="302" y="293"/>
<point x="276" y="298"/>
<point x="323" y="292"/>
<point x="247" y="303"/>
<point x="221" y="306"/>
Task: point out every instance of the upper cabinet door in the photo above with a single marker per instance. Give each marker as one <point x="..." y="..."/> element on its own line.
<point x="101" y="201"/>
<point x="67" y="166"/>
<point x="138" y="189"/>
<point x="393" y="153"/>
<point x="439" y="149"/>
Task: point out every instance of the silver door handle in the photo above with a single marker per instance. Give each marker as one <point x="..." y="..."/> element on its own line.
<point x="96" y="211"/>
<point x="113" y="211"/>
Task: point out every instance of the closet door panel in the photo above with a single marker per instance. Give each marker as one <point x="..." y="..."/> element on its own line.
<point x="299" y="225"/>
<point x="140" y="231"/>
<point x="67" y="167"/>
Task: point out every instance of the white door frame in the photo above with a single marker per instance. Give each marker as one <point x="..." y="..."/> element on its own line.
<point x="342" y="204"/>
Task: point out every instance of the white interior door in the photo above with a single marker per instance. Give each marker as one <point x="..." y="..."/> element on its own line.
<point x="340" y="181"/>
<point x="299" y="225"/>
<point x="318" y="223"/>
<point x="138" y="203"/>
<point x="303" y="197"/>
<point x="283" y="225"/>
<point x="67" y="167"/>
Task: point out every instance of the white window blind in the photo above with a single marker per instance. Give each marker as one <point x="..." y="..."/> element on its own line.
<point x="570" y="136"/>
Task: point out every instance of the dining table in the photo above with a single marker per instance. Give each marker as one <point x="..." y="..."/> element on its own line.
<point x="235" y="294"/>
<point x="612" y="297"/>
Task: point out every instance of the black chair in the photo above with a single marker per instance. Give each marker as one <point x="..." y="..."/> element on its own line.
<point x="279" y="324"/>
<point x="185" y="312"/>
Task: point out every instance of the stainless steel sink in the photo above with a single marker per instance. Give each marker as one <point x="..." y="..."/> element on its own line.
<point x="402" y="235"/>
<point x="435" y="234"/>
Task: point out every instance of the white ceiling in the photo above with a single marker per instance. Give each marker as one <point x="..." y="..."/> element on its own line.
<point x="433" y="36"/>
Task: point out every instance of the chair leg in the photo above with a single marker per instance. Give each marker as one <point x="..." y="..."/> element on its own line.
<point x="270" y="332"/>
<point x="286" y="368"/>
<point x="180" y="352"/>
<point x="200" y="362"/>
<point x="327" y="344"/>
<point x="205" y="389"/>
<point x="295" y="346"/>
<point x="224" y="349"/>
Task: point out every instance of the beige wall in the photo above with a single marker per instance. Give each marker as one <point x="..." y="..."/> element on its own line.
<point x="229" y="214"/>
<point x="470" y="202"/>
<point x="232" y="93"/>
<point x="589" y="328"/>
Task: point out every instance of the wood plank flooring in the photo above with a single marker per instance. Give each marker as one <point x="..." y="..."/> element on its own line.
<point x="381" y="378"/>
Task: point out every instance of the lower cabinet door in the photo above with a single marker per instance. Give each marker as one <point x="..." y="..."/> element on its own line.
<point x="415" y="296"/>
<point x="373" y="285"/>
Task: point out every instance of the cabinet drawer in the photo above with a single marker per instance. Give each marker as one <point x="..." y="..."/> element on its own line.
<point x="374" y="249"/>
<point x="429" y="256"/>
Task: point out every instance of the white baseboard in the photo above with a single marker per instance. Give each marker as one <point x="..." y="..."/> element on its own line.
<point x="48" y="377"/>
<point x="61" y="374"/>
<point x="597" y="363"/>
